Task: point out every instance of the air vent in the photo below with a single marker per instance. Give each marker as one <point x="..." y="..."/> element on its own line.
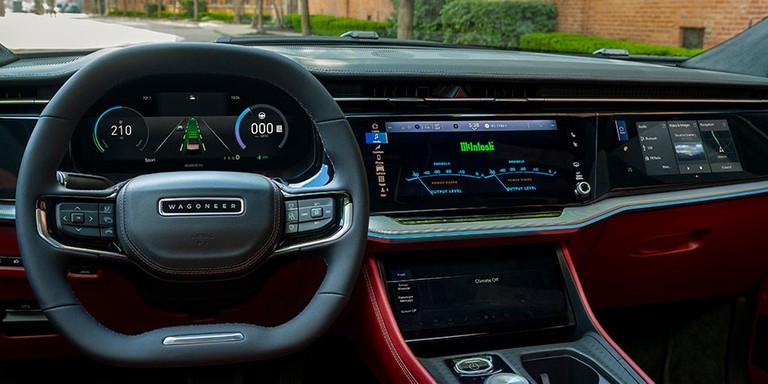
<point x="478" y="90"/>
<point x="397" y="89"/>
<point x="18" y="93"/>
<point x="630" y="91"/>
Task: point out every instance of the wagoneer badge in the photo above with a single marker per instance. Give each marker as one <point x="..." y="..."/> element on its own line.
<point x="197" y="206"/>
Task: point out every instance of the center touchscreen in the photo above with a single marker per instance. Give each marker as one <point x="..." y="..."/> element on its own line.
<point x="472" y="163"/>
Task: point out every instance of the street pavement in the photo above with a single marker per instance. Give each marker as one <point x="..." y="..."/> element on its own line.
<point x="30" y="32"/>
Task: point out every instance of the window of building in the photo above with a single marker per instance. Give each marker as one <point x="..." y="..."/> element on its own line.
<point x="693" y="37"/>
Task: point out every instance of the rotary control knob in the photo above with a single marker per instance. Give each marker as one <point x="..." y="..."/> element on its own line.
<point x="583" y="189"/>
<point x="505" y="378"/>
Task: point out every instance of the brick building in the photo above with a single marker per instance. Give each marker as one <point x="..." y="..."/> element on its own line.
<point x="678" y="23"/>
<point x="691" y="23"/>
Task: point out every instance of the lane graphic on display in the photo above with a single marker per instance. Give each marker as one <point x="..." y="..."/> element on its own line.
<point x="448" y="181"/>
<point x="192" y="135"/>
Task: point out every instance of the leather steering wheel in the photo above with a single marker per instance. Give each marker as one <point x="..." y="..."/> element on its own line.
<point x="238" y="243"/>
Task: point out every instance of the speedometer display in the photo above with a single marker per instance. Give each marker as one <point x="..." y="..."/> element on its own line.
<point x="250" y="126"/>
<point x="120" y="127"/>
<point x="261" y="125"/>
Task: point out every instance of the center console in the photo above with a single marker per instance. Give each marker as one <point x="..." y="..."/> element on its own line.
<point x="499" y="314"/>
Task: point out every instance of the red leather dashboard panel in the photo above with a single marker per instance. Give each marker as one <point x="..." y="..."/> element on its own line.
<point x="679" y="253"/>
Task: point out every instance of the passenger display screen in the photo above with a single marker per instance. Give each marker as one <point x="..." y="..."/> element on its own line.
<point x="687" y="147"/>
<point x="432" y="162"/>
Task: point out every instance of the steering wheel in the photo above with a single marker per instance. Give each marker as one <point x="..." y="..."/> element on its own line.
<point x="250" y="229"/>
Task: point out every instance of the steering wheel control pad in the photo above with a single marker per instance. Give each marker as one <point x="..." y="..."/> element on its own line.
<point x="199" y="225"/>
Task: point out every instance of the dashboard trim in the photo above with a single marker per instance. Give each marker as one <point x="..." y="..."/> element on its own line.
<point x="385" y="228"/>
<point x="547" y="100"/>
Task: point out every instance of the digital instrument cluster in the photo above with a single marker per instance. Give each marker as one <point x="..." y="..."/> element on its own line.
<point x="243" y="128"/>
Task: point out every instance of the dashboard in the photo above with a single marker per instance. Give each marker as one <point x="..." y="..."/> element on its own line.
<point x="475" y="155"/>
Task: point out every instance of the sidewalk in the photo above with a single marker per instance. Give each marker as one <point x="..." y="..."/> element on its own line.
<point x="30" y="32"/>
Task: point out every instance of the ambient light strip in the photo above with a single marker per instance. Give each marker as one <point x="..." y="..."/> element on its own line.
<point x="386" y="228"/>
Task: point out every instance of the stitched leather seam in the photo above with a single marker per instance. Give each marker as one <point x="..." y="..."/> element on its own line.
<point x="380" y="321"/>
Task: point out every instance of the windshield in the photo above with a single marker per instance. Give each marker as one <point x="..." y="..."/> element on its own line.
<point x="641" y="27"/>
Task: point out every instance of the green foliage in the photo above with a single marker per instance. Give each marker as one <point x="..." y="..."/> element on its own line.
<point x="325" y="25"/>
<point x="150" y="9"/>
<point x="188" y="8"/>
<point x="575" y="43"/>
<point x="426" y="19"/>
<point x="229" y="17"/>
<point x="495" y="23"/>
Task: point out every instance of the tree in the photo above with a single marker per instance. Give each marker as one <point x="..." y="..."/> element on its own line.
<point x="405" y="20"/>
<point x="278" y="13"/>
<point x="306" y="28"/>
<point x="238" y="8"/>
<point x="258" y="17"/>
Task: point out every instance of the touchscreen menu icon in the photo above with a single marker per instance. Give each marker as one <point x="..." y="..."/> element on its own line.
<point x="658" y="153"/>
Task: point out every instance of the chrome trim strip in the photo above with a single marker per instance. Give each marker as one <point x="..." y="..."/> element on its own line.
<point x="196" y="199"/>
<point x="44" y="233"/>
<point x="206" y="338"/>
<point x="550" y="100"/>
<point x="7" y="211"/>
<point x="573" y="218"/>
<point x="630" y="100"/>
<point x="345" y="223"/>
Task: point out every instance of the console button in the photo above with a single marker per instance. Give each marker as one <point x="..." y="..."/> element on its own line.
<point x="474" y="366"/>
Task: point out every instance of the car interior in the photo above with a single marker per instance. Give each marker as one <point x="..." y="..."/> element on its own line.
<point x="284" y="210"/>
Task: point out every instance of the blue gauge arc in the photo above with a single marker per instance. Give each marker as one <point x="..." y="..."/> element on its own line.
<point x="260" y="122"/>
<point x="96" y="128"/>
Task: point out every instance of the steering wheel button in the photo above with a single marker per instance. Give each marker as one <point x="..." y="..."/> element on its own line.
<point x="292" y="228"/>
<point x="81" y="232"/>
<point x="316" y="213"/>
<point x="292" y="216"/>
<point x="314" y="225"/>
<point x="78" y="207"/>
<point x="91" y="219"/>
<point x="107" y="233"/>
<point x="309" y="203"/>
<point x="77" y="218"/>
<point x="107" y="208"/>
<point x="304" y="215"/>
<point x="291" y="205"/>
<point x="106" y="220"/>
